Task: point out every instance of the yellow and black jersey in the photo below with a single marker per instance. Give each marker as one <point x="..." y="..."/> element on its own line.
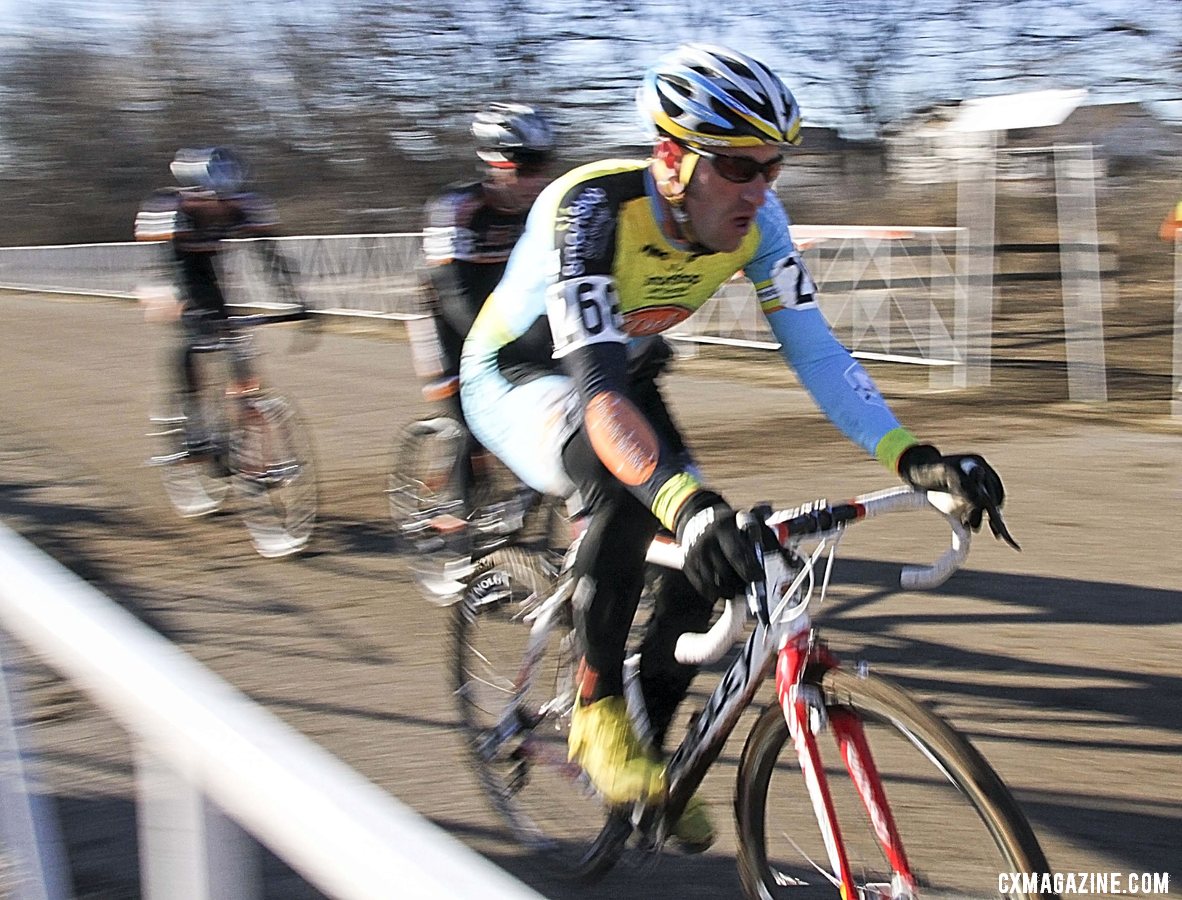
<point x="596" y="269"/>
<point x="595" y="264"/>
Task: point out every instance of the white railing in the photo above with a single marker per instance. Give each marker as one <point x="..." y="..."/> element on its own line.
<point x="99" y="270"/>
<point x="206" y="755"/>
<point x="898" y="293"/>
<point x="359" y="273"/>
<point x="365" y="274"/>
<point x="890" y="293"/>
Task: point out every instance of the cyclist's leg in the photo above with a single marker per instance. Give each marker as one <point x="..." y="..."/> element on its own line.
<point x="204" y="300"/>
<point x="609" y="573"/>
<point x="525" y="425"/>
<point x="528" y="425"/>
<point x="463" y="475"/>
<point x="677" y="609"/>
<point x="609" y="567"/>
<point x="664" y="682"/>
<point x="187" y="381"/>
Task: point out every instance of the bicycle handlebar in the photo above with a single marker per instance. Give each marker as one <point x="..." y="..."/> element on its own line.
<point x="904" y="498"/>
<point x="819" y="520"/>
<point x="295" y="313"/>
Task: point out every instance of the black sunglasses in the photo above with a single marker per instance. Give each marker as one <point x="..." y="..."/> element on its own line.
<point x="742" y="169"/>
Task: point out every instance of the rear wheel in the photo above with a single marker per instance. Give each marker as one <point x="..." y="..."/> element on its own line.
<point x="275" y="476"/>
<point x="514" y="680"/>
<point x="959" y="825"/>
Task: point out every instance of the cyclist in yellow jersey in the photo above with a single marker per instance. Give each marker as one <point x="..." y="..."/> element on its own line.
<point x="558" y="378"/>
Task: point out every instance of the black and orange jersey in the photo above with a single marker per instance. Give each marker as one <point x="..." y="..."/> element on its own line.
<point x="195" y="222"/>
<point x="466" y="244"/>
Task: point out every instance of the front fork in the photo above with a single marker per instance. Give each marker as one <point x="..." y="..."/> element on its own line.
<point x="806" y="714"/>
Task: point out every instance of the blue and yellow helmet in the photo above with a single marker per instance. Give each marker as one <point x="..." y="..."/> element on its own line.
<point x="707" y="96"/>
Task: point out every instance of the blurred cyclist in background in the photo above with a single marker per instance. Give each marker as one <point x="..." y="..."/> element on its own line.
<point x="618" y="251"/>
<point x="207" y="205"/>
<point x="470" y="229"/>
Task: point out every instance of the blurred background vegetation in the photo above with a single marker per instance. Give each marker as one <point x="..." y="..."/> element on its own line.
<point x="352" y="114"/>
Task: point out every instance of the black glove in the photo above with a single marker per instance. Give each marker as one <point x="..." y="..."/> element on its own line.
<point x="720" y="558"/>
<point x="966" y="476"/>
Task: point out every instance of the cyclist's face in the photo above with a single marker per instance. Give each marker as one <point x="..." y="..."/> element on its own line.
<point x="514" y="190"/>
<point x="721" y="211"/>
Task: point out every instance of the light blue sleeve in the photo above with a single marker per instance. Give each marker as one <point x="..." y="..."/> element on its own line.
<point x="839" y="385"/>
<point x="837" y="382"/>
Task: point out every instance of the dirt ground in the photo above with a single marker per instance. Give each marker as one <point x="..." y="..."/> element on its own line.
<point x="1061" y="662"/>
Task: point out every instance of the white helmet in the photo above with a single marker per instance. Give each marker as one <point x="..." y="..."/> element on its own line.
<point x="217" y="169"/>
<point x="512" y="134"/>
<point x="706" y="96"/>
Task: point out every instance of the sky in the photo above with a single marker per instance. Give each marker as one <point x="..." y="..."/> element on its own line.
<point x="1112" y="74"/>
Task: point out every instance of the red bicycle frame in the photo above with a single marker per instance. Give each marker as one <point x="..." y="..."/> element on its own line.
<point x="804" y="715"/>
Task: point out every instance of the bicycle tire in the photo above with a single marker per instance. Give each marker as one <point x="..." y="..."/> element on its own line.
<point x="420" y="473"/>
<point x="547" y="802"/>
<point x="195" y="486"/>
<point x="275" y="476"/>
<point x="977" y="838"/>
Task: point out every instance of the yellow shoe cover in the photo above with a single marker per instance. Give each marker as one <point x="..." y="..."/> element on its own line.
<point x="694" y="831"/>
<point x="604" y="743"/>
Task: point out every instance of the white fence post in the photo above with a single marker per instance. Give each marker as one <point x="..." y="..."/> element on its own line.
<point x="1079" y="254"/>
<point x="189" y="850"/>
<point x="975" y="213"/>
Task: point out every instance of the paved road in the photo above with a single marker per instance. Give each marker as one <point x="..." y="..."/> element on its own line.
<point x="1063" y="662"/>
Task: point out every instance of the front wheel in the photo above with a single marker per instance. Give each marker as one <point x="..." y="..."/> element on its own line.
<point x="960" y="827"/>
<point x="275" y="476"/>
<point x="421" y="479"/>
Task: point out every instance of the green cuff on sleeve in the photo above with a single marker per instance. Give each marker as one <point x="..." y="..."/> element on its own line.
<point x="891" y="446"/>
<point x="670" y="497"/>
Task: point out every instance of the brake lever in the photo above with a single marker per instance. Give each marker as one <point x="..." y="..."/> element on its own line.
<point x="757" y="599"/>
<point x="984" y="500"/>
<point x="998" y="525"/>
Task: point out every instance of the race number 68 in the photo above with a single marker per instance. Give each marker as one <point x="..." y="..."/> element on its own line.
<point x="583" y="311"/>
